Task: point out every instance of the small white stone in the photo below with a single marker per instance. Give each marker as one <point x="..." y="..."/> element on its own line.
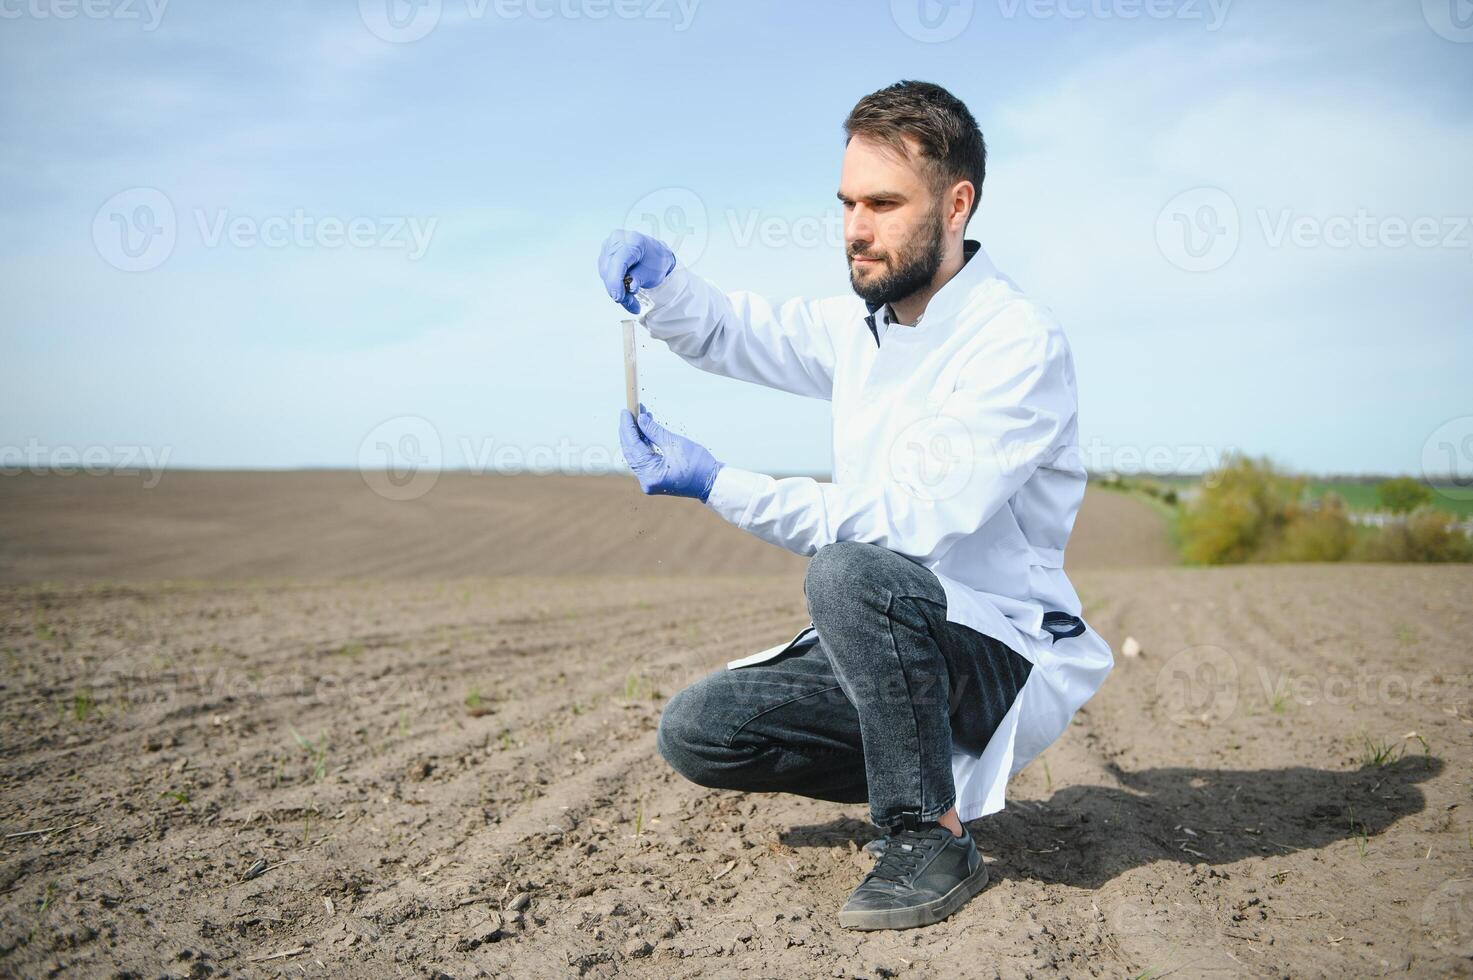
<point x="1130" y="648"/>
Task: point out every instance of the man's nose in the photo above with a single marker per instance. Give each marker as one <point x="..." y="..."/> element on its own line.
<point x="858" y="227"/>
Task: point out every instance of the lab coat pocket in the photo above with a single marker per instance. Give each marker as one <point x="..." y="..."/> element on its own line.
<point x="806" y="636"/>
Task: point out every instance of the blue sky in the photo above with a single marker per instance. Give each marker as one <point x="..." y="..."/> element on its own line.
<point x="1252" y="218"/>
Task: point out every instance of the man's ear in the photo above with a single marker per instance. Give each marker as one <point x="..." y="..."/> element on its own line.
<point x="959" y="205"/>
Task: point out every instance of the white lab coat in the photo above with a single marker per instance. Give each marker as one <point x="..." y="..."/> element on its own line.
<point x="955" y="443"/>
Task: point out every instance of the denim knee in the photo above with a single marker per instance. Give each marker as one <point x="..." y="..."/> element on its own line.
<point x="837" y="573"/>
<point x="682" y="740"/>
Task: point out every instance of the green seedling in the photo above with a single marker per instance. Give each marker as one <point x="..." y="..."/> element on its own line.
<point x="1378" y="753"/>
<point x="1359" y="832"/>
<point x="44" y="904"/>
<point x="177" y="795"/>
<point x="318" y="752"/>
<point x="403" y="722"/>
<point x="349" y="650"/>
<point x="83" y="704"/>
<point x="639" y="819"/>
<point x="1279" y="700"/>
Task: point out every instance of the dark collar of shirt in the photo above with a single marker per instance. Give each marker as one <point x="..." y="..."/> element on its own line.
<point x="969" y="249"/>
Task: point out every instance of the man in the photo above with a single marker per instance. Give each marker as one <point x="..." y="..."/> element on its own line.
<point x="945" y="649"/>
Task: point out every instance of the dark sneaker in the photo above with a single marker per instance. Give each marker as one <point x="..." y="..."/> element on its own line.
<point x="922" y="876"/>
<point x="876" y="847"/>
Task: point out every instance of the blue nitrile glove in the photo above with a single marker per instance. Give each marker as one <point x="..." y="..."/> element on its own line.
<point x="644" y="260"/>
<point x="663" y="461"/>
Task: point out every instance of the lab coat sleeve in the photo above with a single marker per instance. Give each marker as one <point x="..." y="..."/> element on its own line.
<point x="743" y="336"/>
<point x="949" y="472"/>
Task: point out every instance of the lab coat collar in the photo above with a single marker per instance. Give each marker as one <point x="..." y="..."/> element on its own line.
<point x="976" y="268"/>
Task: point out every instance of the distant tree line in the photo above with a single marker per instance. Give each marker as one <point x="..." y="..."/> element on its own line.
<point x="1247" y="510"/>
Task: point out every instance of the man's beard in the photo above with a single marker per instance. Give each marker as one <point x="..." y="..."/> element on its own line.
<point x="907" y="271"/>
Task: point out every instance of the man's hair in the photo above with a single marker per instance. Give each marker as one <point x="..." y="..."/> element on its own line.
<point x="951" y="144"/>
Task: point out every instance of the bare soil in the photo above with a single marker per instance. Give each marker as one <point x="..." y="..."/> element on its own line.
<point x="239" y="740"/>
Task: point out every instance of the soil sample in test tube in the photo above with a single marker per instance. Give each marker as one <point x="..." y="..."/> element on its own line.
<point x="631" y="370"/>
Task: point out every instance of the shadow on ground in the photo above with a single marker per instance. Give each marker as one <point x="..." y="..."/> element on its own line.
<point x="1085" y="836"/>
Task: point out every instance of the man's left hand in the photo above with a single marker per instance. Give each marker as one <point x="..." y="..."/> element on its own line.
<point x="663" y="461"/>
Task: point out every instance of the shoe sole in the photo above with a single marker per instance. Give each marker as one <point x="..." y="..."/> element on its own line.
<point x="920" y="915"/>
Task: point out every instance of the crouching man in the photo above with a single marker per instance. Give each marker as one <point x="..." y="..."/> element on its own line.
<point x="946" y="647"/>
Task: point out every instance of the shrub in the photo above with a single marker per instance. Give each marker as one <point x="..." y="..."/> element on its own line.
<point x="1240" y="513"/>
<point x="1403" y="495"/>
<point x="1322" y="532"/>
<point x="1428" y="535"/>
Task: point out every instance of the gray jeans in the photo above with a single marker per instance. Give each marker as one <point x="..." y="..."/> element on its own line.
<point x="869" y="712"/>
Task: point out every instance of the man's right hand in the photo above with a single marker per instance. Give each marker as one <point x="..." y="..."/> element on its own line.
<point x="643" y="260"/>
